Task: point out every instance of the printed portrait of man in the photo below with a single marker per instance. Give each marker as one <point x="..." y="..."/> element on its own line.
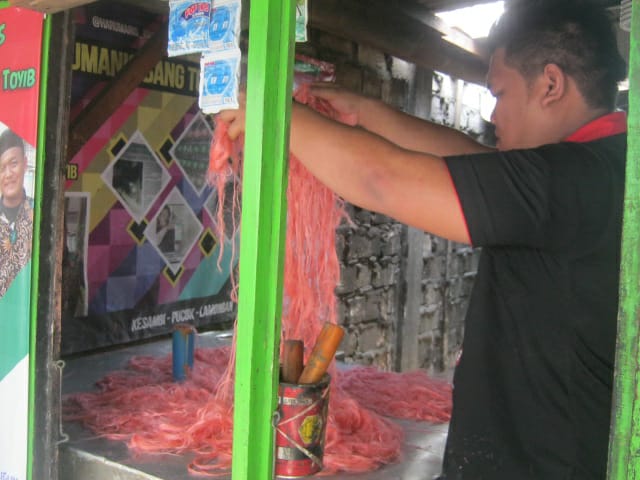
<point x="16" y="209"/>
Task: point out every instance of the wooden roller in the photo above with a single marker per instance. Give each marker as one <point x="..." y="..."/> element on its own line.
<point x="322" y="353"/>
<point x="292" y="358"/>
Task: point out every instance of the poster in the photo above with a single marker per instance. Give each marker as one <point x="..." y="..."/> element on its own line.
<point x="142" y="248"/>
<point x="20" y="56"/>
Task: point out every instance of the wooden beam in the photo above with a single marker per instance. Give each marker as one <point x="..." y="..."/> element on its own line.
<point x="386" y="27"/>
<point x="49" y="6"/>
<point x="114" y="94"/>
<point x="264" y="218"/>
<point x="46" y="398"/>
<point x="446" y="5"/>
<point x="429" y="20"/>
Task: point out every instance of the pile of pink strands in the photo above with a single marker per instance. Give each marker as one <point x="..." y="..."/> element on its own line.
<point x="144" y="407"/>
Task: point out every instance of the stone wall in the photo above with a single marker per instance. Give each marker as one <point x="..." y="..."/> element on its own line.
<point x="403" y="293"/>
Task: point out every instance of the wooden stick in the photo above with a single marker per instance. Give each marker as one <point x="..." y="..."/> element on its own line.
<point x="322" y="353"/>
<point x="292" y="358"/>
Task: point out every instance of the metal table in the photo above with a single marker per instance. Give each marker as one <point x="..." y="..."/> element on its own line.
<point x="85" y="456"/>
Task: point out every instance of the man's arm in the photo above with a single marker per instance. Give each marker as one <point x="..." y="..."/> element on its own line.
<point x="373" y="173"/>
<point x="404" y="130"/>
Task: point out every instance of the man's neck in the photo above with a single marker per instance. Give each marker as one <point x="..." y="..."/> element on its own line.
<point x="574" y="112"/>
<point x="580" y="121"/>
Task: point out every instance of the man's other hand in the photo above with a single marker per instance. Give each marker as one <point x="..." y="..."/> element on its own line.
<point x="235" y="119"/>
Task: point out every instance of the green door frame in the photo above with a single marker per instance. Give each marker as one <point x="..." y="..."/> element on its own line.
<point x="624" y="446"/>
<point x="264" y="214"/>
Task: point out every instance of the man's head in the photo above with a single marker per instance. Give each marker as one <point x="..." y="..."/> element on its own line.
<point x="563" y="49"/>
<point x="13" y="165"/>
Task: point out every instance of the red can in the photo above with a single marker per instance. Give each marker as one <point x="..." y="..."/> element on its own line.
<point x="300" y="430"/>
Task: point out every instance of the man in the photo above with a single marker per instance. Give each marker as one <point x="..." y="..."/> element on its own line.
<point x="532" y="390"/>
<point x="16" y="210"/>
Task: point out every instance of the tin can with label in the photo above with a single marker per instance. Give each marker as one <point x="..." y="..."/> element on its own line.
<point x="183" y="346"/>
<point x="301" y="427"/>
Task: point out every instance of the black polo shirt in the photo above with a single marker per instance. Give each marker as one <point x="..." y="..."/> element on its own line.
<point x="532" y="391"/>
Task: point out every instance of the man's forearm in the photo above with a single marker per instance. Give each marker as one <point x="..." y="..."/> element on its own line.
<point x="414" y="133"/>
<point x="373" y="173"/>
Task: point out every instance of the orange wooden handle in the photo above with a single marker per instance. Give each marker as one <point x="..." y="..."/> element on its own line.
<point x="292" y="358"/>
<point x="322" y="353"/>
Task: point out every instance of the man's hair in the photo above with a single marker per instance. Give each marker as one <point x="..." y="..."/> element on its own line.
<point x="576" y="35"/>
<point x="8" y="140"/>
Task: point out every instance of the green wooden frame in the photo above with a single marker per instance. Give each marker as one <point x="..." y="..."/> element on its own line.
<point x="624" y="447"/>
<point x="35" y="262"/>
<point x="264" y="212"/>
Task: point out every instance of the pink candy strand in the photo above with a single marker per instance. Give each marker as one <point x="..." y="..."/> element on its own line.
<point x="145" y="408"/>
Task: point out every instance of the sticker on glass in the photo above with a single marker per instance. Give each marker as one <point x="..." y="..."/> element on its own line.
<point x="219" y="81"/>
<point x="224" y="29"/>
<point x="188" y="27"/>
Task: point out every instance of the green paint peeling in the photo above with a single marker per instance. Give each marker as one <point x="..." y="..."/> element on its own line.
<point x="624" y="448"/>
<point x="38" y="199"/>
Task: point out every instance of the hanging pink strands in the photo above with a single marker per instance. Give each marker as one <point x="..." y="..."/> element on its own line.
<point x="357" y="440"/>
<point x="134" y="406"/>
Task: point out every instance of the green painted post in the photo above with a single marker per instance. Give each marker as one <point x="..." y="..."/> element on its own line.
<point x="18" y="305"/>
<point x="624" y="447"/>
<point x="35" y="255"/>
<point x="269" y="84"/>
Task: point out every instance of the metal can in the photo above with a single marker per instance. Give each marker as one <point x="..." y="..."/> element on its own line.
<point x="301" y="427"/>
<point x="183" y="346"/>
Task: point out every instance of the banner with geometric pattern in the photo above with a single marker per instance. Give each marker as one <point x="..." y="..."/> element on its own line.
<point x="142" y="244"/>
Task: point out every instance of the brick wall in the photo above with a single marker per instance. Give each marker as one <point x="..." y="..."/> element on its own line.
<point x="403" y="294"/>
<point x="370" y="255"/>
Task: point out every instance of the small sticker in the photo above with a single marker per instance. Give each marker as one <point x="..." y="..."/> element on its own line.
<point x="302" y="13"/>
<point x="310" y="429"/>
<point x="224" y="29"/>
<point x="188" y="26"/>
<point x="219" y="78"/>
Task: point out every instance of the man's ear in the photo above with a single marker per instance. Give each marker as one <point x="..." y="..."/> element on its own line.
<point x="554" y="83"/>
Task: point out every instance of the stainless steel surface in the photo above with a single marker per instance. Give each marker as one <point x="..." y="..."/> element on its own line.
<point x="86" y="457"/>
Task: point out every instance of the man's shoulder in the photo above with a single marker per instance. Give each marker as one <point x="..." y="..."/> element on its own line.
<point x="607" y="148"/>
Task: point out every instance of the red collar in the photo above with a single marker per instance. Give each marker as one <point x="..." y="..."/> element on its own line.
<point x="604" y="126"/>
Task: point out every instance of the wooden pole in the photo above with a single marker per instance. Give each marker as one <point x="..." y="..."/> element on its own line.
<point x="116" y="92"/>
<point x="624" y="447"/>
<point x="269" y="84"/>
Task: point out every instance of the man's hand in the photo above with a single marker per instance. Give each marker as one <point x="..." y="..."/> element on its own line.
<point x="346" y="103"/>
<point x="235" y="119"/>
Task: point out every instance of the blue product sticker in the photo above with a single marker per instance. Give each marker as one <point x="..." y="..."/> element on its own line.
<point x="219" y="76"/>
<point x="220" y="23"/>
<point x="302" y="13"/>
<point x="188" y="26"/>
<point x="224" y="29"/>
